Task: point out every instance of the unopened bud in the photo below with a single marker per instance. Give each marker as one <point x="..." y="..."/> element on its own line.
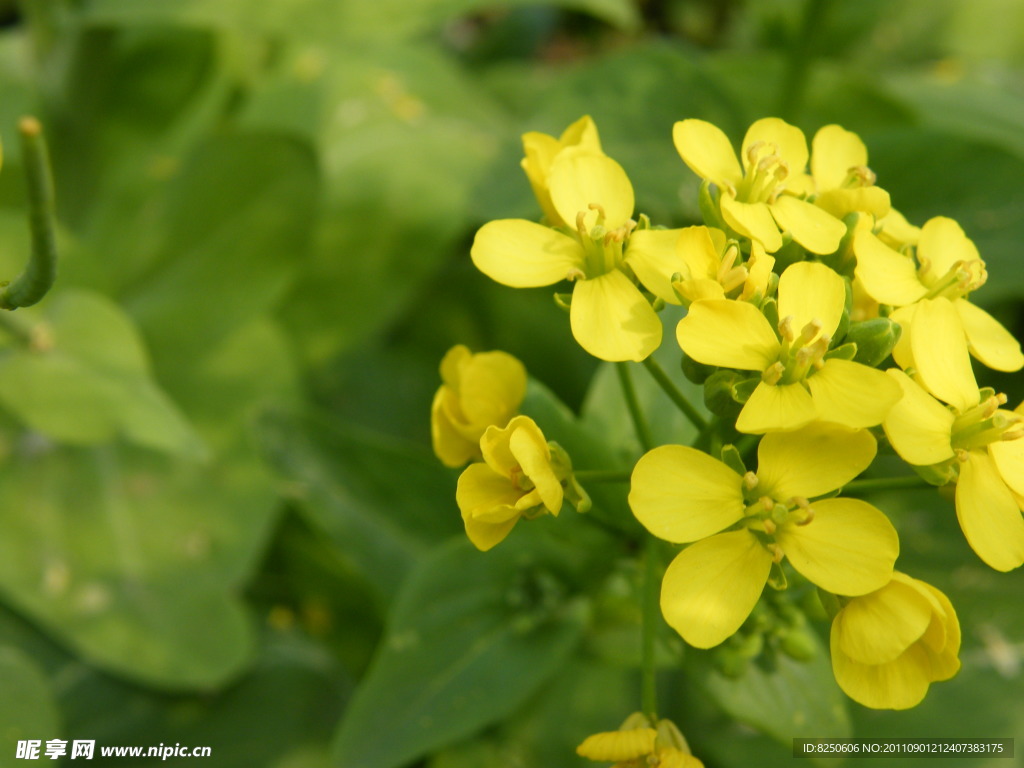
<point x="874" y="338"/>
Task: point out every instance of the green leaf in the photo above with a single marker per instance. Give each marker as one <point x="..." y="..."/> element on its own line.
<point x="383" y="502"/>
<point x="788" y="700"/>
<point x="97" y="540"/>
<point x="234" y="234"/>
<point x="85" y="379"/>
<point x="470" y="638"/>
<point x="28" y="709"/>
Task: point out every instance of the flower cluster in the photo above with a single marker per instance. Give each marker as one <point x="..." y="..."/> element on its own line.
<point x="825" y="328"/>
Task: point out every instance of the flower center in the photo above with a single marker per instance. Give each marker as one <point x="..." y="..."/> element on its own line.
<point x="602" y="247"/>
<point x="962" y="278"/>
<point x="985" y="423"/>
<point x="766" y="515"/>
<point x="859" y="176"/>
<point x="799" y="353"/>
<point x="766" y="171"/>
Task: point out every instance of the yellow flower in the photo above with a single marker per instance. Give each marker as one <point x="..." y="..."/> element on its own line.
<point x="973" y="434"/>
<point x="890" y="645"/>
<point x="946" y="265"/>
<point x="754" y="199"/>
<point x="682" y="495"/>
<point x="639" y="744"/>
<point x="540" y="151"/>
<point x="610" y="317"/>
<point x="521" y="476"/>
<point x="479" y="391"/>
<point x="798" y="385"/>
<point x="711" y="268"/>
<point x="843" y="183"/>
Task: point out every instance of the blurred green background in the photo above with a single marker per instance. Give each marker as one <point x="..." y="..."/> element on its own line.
<point x="220" y="521"/>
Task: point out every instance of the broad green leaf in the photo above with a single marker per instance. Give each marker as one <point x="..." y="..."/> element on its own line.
<point x="383" y="502"/>
<point x="27" y="708"/>
<point x="234" y="234"/>
<point x="84" y="379"/>
<point x="470" y="638"/>
<point x="97" y="540"/>
<point x="793" y="699"/>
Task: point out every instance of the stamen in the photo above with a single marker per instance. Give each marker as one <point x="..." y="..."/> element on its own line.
<point x="810" y="330"/>
<point x="600" y="211"/>
<point x="752" y="151"/>
<point x="773" y="373"/>
<point x="581" y="223"/>
<point x="770" y="527"/>
<point x="736" y="277"/>
<point x="1013" y="434"/>
<point x="750" y="481"/>
<point x="728" y="259"/>
<point x="768" y="503"/>
<point x="574" y="274"/>
<point x="786" y="328"/>
<point x="777" y="553"/>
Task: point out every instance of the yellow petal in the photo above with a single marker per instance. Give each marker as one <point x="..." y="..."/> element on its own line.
<point x="888" y="276"/>
<point x="614" y="746"/>
<point x="943" y="635"/>
<point x="753" y="220"/>
<point x="896" y="231"/>
<point x="848" y="548"/>
<point x="812" y="461"/>
<point x="731" y="334"/>
<point x="811" y="291"/>
<point x="708" y="151"/>
<point x="918" y="426"/>
<point x="701" y="289"/>
<point x="450" y="446"/>
<point x="776" y="407"/>
<point x="840" y="202"/>
<point x="531" y="451"/>
<point x="987" y="339"/>
<point x="989" y="515"/>
<point x="652" y="255"/>
<point x="1008" y="456"/>
<point x="582" y="133"/>
<point x="902" y="352"/>
<point x="612" y="320"/>
<point x="760" y="266"/>
<point x="539" y="151"/>
<point x="899" y="684"/>
<point x="681" y="494"/>
<point x="580" y="178"/>
<point x="491" y="387"/>
<point x="712" y="586"/>
<point x="852" y="394"/>
<point x="940" y="353"/>
<point x="523" y="254"/>
<point x="943" y="243"/>
<point x="482" y="492"/>
<point x="834" y="151"/>
<point x="878" y="627"/>
<point x="781" y="138"/>
<point x="814" y="228"/>
<point x="698" y="252"/>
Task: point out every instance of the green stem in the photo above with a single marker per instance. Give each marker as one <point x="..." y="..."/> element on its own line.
<point x="799" y="63"/>
<point x="651" y="616"/>
<point x="37" y="279"/>
<point x="675" y="394"/>
<point x="603" y="475"/>
<point x="908" y="482"/>
<point x="643" y="431"/>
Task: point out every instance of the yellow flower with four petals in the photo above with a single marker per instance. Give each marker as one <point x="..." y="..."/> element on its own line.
<point x="741" y="525"/>
<point x="798" y="383"/>
<point x="890" y="645"/>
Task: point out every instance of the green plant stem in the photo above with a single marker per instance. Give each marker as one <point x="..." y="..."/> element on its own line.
<point x="675" y="394"/>
<point x="643" y="431"/>
<point x="41" y="271"/>
<point x="908" y="482"/>
<point x="799" y="62"/>
<point x="651" y="616"/>
<point x="603" y="475"/>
